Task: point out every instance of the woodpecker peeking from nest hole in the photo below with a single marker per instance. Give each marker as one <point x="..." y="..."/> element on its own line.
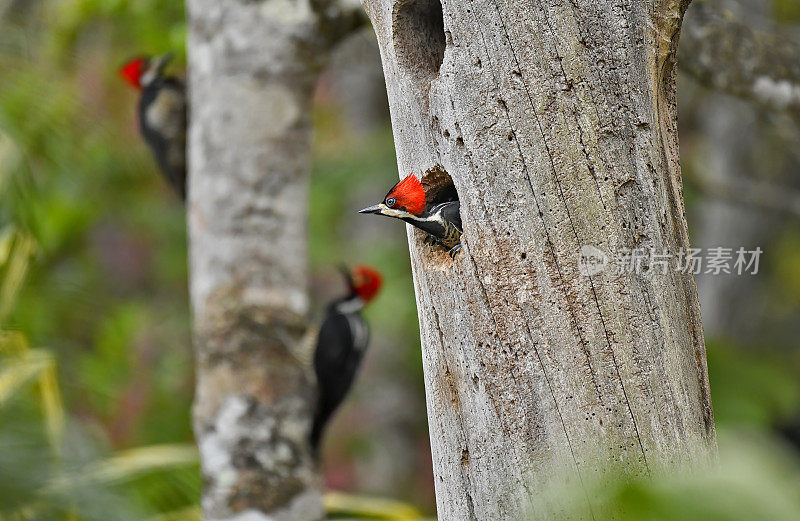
<point x="162" y="115"/>
<point x="441" y="220"/>
<point x="341" y="344"/>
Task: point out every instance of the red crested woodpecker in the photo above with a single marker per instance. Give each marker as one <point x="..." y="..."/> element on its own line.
<point x="407" y="201"/>
<point x="341" y="343"/>
<point x="162" y="115"/>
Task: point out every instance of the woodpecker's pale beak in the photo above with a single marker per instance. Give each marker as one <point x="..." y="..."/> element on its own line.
<point x="159" y="62"/>
<point x="348" y="277"/>
<point x="164" y="58"/>
<point x="378" y="208"/>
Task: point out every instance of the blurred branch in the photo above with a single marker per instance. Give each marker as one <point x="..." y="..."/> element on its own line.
<point x="727" y="55"/>
<point x="6" y="6"/>
<point x="339" y="19"/>
<point x="756" y="194"/>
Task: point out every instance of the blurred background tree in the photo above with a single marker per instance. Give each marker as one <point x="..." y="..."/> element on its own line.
<point x="94" y="306"/>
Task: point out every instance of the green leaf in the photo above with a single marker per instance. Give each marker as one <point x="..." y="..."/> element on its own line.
<point x="338" y="504"/>
<point x="127" y="465"/>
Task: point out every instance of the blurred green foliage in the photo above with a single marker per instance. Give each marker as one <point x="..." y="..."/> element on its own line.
<point x="786" y="11"/>
<point x="757" y="388"/>
<point x="95" y="417"/>
<point x="755" y="480"/>
<point x="787" y="276"/>
<point x="107" y="287"/>
<point x="92" y="266"/>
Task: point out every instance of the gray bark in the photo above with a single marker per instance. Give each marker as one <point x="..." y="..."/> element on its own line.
<point x="253" y="65"/>
<point x="557" y="123"/>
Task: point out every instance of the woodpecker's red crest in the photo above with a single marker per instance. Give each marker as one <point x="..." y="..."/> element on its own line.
<point x="407" y="194"/>
<point x="133" y="70"/>
<point x="367" y="282"/>
<point x="440" y="219"/>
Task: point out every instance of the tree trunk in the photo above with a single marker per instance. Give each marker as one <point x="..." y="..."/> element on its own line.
<point x="557" y="123"/>
<point x="733" y="137"/>
<point x="253" y="65"/>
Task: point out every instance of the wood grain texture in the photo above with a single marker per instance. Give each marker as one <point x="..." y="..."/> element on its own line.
<point x="557" y="122"/>
<point x="253" y="65"/>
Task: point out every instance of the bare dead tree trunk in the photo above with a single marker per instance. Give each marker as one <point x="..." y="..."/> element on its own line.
<point x="253" y="65"/>
<point x="557" y="122"/>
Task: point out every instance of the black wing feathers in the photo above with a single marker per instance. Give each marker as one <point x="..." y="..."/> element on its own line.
<point x="162" y="116"/>
<point x="336" y="361"/>
<point x="452" y="213"/>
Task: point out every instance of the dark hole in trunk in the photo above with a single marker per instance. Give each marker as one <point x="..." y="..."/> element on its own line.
<point x="438" y="186"/>
<point x="419" y="39"/>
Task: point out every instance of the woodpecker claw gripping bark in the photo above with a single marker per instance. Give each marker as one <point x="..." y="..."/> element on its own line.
<point x="162" y="115"/>
<point x="441" y="220"/>
<point x="342" y="341"/>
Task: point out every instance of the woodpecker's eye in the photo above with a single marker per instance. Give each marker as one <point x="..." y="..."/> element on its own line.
<point x="390" y="202"/>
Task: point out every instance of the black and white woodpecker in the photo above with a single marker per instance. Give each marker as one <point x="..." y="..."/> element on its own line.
<point x="407" y="201"/>
<point x="162" y="115"/>
<point x="341" y="344"/>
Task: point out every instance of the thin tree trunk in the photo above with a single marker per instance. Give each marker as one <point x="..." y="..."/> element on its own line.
<point x="253" y="66"/>
<point x="557" y="123"/>
<point x="733" y="137"/>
